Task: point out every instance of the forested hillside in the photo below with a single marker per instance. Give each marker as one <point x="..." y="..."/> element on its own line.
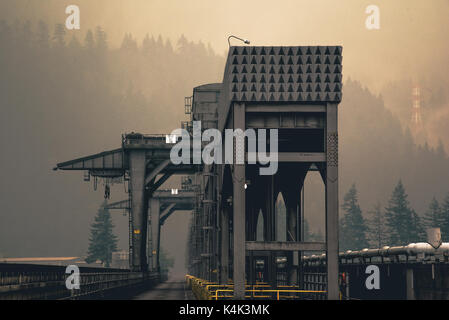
<point x="62" y="97"/>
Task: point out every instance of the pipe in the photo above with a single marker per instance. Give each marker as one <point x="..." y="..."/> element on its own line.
<point x="412" y="249"/>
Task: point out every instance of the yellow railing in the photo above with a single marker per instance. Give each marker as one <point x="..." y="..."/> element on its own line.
<point x="277" y="291"/>
<point x="206" y="290"/>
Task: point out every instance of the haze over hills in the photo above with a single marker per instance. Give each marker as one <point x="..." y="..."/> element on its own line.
<point x="64" y="97"/>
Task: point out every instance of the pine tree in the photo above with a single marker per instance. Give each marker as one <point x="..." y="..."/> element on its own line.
<point x="445" y="218"/>
<point x="376" y="227"/>
<point x="417" y="229"/>
<point x="166" y="261"/>
<point x="318" y="236"/>
<point x="306" y="229"/>
<point x="89" y="41"/>
<point x="147" y="45"/>
<point x="102" y="242"/>
<point x="43" y="36"/>
<point x="433" y="217"/>
<point x="59" y="35"/>
<point x="101" y="40"/>
<point x="353" y="226"/>
<point x="74" y="44"/>
<point x="404" y="225"/>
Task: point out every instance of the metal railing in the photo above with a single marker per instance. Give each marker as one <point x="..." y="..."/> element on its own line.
<point x="206" y="290"/>
<point x="28" y="281"/>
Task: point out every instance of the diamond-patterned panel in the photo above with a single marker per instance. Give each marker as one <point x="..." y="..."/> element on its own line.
<point x="279" y="74"/>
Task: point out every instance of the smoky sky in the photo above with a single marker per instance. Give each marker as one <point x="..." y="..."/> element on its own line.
<point x="411" y="38"/>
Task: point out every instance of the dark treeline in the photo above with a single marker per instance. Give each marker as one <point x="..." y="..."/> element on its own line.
<point x="65" y="94"/>
<point x="63" y="74"/>
<point x="395" y="224"/>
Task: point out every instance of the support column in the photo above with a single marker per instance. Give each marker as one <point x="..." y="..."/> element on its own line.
<point x="224" y="264"/>
<point x="239" y="207"/>
<point x="291" y="199"/>
<point x="410" y="284"/>
<point x="155" y="231"/>
<point x="332" y="201"/>
<point x="139" y="217"/>
<point x="149" y="241"/>
<point x="292" y="236"/>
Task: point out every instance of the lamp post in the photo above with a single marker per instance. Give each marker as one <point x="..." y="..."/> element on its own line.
<point x="243" y="40"/>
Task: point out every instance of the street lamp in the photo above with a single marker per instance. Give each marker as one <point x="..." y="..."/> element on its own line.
<point x="243" y="40"/>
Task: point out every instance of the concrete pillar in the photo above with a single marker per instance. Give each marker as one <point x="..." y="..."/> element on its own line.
<point x="239" y="209"/>
<point x="155" y="231"/>
<point x="139" y="216"/>
<point x="332" y="201"/>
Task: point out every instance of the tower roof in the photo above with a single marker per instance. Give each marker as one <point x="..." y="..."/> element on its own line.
<point x="279" y="74"/>
<point x="276" y="75"/>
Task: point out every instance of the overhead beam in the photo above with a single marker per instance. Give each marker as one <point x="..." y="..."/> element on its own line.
<point x="123" y="204"/>
<point x="113" y="159"/>
<point x="167" y="210"/>
<point x="167" y="213"/>
<point x="285" y="108"/>
<point x="297" y="156"/>
<point x="160" y="181"/>
<point x="161" y="166"/>
<point x="285" y="246"/>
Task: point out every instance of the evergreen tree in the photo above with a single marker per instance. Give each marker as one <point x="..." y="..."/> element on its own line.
<point x="102" y="241"/>
<point x="128" y="43"/>
<point x="353" y="226"/>
<point x="59" y="36"/>
<point x="166" y="261"/>
<point x="445" y="218"/>
<point x="376" y="227"/>
<point x="306" y="230"/>
<point x="433" y="217"/>
<point x="101" y="40"/>
<point x="417" y="228"/>
<point x="318" y="236"/>
<point x="74" y="44"/>
<point x="182" y="45"/>
<point x="43" y="36"/>
<point x="403" y="223"/>
<point x="147" y="45"/>
<point x="89" y="41"/>
<point x="312" y="236"/>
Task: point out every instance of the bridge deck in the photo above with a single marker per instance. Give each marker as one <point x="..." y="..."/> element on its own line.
<point x="172" y="289"/>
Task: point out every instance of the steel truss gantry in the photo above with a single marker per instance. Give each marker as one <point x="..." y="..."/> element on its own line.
<point x="295" y="90"/>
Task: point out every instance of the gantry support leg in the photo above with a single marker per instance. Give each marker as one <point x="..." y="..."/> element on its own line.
<point x="155" y="232"/>
<point x="291" y="204"/>
<point x="224" y="261"/>
<point x="139" y="217"/>
<point x="292" y="183"/>
<point x="239" y="224"/>
<point x="332" y="202"/>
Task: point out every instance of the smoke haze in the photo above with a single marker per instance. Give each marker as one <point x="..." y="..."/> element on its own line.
<point x="61" y="100"/>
